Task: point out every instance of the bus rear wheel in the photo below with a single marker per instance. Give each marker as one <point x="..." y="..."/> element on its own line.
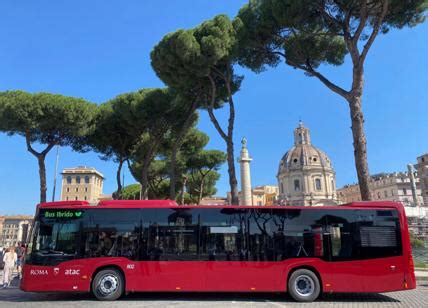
<point x="304" y="285"/>
<point x="108" y="284"/>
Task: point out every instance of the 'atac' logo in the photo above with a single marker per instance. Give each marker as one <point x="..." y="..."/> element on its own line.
<point x="72" y="272"/>
<point x="56" y="271"/>
<point x="38" y="272"/>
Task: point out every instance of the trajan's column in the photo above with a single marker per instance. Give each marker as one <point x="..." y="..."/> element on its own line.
<point x="244" y="160"/>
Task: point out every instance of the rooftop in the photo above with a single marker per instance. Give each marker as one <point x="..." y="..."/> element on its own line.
<point x="82" y="170"/>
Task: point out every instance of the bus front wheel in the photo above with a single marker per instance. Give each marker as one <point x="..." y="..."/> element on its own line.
<point x="108" y="284"/>
<point x="304" y="285"/>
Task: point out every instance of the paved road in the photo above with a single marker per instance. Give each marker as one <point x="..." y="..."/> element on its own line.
<point x="13" y="297"/>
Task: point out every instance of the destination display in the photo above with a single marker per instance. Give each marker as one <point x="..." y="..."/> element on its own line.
<point x="62" y="214"/>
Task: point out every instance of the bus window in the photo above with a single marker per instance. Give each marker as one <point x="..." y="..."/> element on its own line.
<point x="169" y="234"/>
<point x="112" y="234"/>
<point x="380" y="234"/>
<point x="222" y="235"/>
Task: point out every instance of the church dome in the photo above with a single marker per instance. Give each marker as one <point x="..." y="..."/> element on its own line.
<point x="305" y="174"/>
<point x="303" y="153"/>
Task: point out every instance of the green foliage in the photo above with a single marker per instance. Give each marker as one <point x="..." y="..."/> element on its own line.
<point x="193" y="162"/>
<point x="129" y="192"/>
<point x="308" y="33"/>
<point x="415" y="242"/>
<point x="193" y="185"/>
<point x="158" y="182"/>
<point x="184" y="59"/>
<point x="46" y="118"/>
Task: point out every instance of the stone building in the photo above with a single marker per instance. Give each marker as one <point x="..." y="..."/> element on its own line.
<point x="386" y="186"/>
<point x="14" y="229"/>
<point x="82" y="183"/>
<point x="305" y="174"/>
<point x="422" y="168"/>
<point x="265" y="195"/>
<point x="260" y="195"/>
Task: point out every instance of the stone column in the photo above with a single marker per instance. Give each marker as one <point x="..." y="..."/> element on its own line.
<point x="413" y="183"/>
<point x="244" y="161"/>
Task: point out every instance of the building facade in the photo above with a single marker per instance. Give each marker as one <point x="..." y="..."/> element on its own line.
<point x="14" y="229"/>
<point x="386" y="186"/>
<point x="265" y="195"/>
<point x="82" y="183"/>
<point x="422" y="168"/>
<point x="305" y="175"/>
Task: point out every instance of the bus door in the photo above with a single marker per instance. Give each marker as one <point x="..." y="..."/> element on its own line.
<point x="382" y="263"/>
<point x="344" y="267"/>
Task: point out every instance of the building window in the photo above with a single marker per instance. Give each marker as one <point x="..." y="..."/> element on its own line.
<point x="296" y="185"/>
<point x="68" y="189"/>
<point x="318" y="184"/>
<point x="66" y="198"/>
<point x="385" y="193"/>
<point x="77" y="189"/>
<point x="87" y="179"/>
<point x="86" y="198"/>
<point x="259" y="203"/>
<point x="404" y="191"/>
<point x="78" y="179"/>
<point x="378" y="195"/>
<point x="86" y="189"/>
<point x="69" y="180"/>
<point x="392" y="192"/>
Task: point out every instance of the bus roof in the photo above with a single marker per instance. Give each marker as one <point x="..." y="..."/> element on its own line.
<point x="116" y="204"/>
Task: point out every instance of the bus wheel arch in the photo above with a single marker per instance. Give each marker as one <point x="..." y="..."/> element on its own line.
<point x="109" y="272"/>
<point x="305" y="271"/>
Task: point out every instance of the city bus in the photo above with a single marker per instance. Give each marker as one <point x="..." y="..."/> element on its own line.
<point x="122" y="246"/>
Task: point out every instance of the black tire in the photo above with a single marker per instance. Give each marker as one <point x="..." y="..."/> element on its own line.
<point x="108" y="285"/>
<point x="304" y="285"/>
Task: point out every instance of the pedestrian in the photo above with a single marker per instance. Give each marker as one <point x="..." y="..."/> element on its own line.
<point x="9" y="260"/>
<point x="20" y="251"/>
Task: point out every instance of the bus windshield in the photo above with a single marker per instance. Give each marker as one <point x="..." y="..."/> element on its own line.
<point x="55" y="235"/>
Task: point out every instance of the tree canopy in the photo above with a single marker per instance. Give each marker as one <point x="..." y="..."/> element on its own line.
<point x="47" y="119"/>
<point x="306" y="34"/>
<point x="199" y="64"/>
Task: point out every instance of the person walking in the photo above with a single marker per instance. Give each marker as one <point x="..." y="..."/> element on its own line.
<point x="9" y="260"/>
<point x="20" y="251"/>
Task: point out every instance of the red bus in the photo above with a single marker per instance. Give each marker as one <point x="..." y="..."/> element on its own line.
<point x="117" y="247"/>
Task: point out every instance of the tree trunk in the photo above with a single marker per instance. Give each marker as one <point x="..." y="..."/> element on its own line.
<point x="183" y="189"/>
<point x="172" y="170"/>
<point x="201" y="189"/>
<point x="176" y="147"/>
<point x="42" y="175"/>
<point x="232" y="173"/>
<point x="360" y="147"/>
<point x="233" y="183"/>
<point x="145" y="179"/>
<point x="119" y="182"/>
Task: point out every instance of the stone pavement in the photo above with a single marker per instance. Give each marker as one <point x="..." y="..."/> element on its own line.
<point x="13" y="297"/>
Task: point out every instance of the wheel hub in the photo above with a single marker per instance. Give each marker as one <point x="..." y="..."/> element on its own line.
<point x="108" y="284"/>
<point x="304" y="285"/>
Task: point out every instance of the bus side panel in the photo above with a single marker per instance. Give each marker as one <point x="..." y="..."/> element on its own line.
<point x="66" y="277"/>
<point x="409" y="269"/>
<point x="335" y="276"/>
<point x="244" y="276"/>
<point x="167" y="276"/>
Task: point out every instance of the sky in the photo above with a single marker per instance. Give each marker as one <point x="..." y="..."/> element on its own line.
<point x="98" y="49"/>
